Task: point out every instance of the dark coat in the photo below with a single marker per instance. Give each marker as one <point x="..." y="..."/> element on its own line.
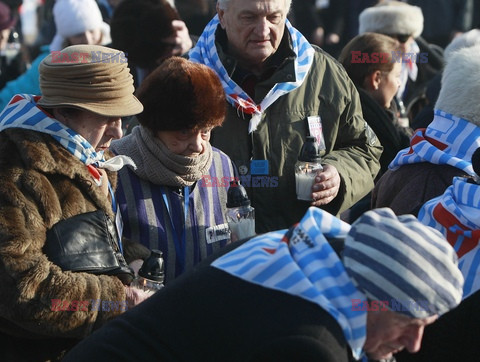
<point x="414" y="97"/>
<point x="209" y="315"/>
<point x="41" y="183"/>
<point x="406" y="189"/>
<point x="392" y="137"/>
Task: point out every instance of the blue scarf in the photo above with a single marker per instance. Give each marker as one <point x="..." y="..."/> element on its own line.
<point x="456" y="215"/>
<point x="448" y="140"/>
<point x="305" y="266"/>
<point x="22" y="112"/>
<point x="205" y="52"/>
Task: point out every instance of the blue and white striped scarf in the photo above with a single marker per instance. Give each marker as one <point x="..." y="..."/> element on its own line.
<point x="456" y="214"/>
<point x="22" y="112"/>
<point x="205" y="52"/>
<point x="306" y="266"/>
<point x="448" y="140"/>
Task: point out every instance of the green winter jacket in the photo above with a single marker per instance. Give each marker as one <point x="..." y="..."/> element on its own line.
<point x="351" y="146"/>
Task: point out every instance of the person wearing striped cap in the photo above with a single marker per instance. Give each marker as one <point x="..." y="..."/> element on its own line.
<point x="321" y="291"/>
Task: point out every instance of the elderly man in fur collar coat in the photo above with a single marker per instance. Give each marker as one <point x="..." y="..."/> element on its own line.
<point x="53" y="172"/>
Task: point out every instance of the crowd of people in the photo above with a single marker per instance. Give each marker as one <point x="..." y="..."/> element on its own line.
<point x="121" y="137"/>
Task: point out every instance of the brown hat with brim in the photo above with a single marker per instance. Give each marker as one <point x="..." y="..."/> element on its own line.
<point x="90" y="77"/>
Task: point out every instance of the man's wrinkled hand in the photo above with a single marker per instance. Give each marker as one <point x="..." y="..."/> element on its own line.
<point x="326" y="186"/>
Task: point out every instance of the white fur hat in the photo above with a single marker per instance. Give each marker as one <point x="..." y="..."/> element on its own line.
<point x="392" y="17"/>
<point x="468" y="39"/>
<point x="74" y="17"/>
<point x="461" y="85"/>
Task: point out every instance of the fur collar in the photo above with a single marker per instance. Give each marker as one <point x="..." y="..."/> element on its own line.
<point x="40" y="152"/>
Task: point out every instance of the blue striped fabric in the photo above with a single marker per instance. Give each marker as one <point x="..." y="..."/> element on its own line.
<point x="400" y="260"/>
<point x="306" y="267"/>
<point x="448" y="140"/>
<point x="147" y="221"/>
<point x="22" y="112"/>
<point x="205" y="52"/>
<point x="461" y="200"/>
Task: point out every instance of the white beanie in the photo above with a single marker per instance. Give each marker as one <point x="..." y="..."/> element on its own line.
<point x="390" y="18"/>
<point x="74" y="17"/>
<point x="461" y="85"/>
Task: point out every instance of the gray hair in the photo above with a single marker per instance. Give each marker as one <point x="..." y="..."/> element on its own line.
<point x="223" y="4"/>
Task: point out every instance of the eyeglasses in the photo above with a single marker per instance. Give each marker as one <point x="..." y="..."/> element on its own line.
<point x="402" y="38"/>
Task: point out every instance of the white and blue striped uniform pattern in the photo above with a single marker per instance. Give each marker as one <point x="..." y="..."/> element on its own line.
<point x="401" y="260"/>
<point x="462" y="200"/>
<point x="306" y="267"/>
<point x="459" y="137"/>
<point x="205" y="52"/>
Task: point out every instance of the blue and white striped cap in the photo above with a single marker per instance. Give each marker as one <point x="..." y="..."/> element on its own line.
<point x="404" y="263"/>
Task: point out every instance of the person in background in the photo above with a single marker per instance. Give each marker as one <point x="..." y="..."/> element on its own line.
<point x="455" y="214"/>
<point x="445" y="19"/>
<point x="421" y="61"/>
<point x="322" y="25"/>
<point x="58" y="209"/>
<point x="280" y="89"/>
<point x="369" y="62"/>
<point x="444" y="149"/>
<point x="425" y="116"/>
<point x="288" y="296"/>
<point x="175" y="200"/>
<point x="148" y="31"/>
<point x="196" y="13"/>
<point x="77" y="22"/>
<point x="11" y="56"/>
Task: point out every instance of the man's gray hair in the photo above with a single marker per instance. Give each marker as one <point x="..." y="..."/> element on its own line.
<point x="222" y="4"/>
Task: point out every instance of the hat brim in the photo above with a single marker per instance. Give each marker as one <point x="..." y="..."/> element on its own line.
<point x="127" y="106"/>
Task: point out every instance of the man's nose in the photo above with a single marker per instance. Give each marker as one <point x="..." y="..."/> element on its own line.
<point x="196" y="144"/>
<point x="115" y="129"/>
<point x="413" y="340"/>
<point x="261" y="29"/>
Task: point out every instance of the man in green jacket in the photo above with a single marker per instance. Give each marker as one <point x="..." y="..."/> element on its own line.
<point x="282" y="89"/>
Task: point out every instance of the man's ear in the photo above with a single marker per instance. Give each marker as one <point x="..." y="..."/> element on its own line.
<point x="220" y="13"/>
<point x="373" y="80"/>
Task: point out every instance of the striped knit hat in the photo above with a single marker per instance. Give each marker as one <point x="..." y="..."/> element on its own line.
<point x="404" y="263"/>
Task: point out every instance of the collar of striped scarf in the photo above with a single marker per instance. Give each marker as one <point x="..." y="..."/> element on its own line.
<point x="457" y="216"/>
<point x="448" y="140"/>
<point x="206" y="52"/>
<point x="302" y="263"/>
<point x="22" y="112"/>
